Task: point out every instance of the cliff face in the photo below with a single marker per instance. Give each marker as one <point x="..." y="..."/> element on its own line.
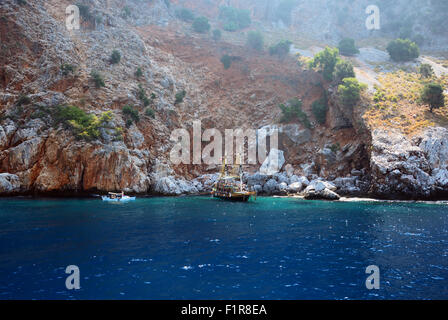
<point x="44" y="157"/>
<point x="405" y="167"/>
<point x="38" y="153"/>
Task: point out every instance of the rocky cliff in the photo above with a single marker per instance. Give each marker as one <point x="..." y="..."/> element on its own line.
<point x="403" y="166"/>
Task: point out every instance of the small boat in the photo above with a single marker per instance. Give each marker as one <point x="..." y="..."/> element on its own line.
<point x="229" y="188"/>
<point x="117" y="197"/>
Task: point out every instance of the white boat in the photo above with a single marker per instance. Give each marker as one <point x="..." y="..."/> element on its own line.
<point x="117" y="197"/>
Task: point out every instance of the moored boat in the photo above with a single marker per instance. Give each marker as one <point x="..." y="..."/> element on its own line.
<point x="231" y="187"/>
<point x="117" y="197"/>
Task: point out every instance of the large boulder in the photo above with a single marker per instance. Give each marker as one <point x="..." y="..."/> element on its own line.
<point x="273" y="163"/>
<point x="281" y="177"/>
<point x="258" y="188"/>
<point x="256" y="179"/>
<point x="319" y="192"/>
<point x="347" y="185"/>
<point x="321" y="185"/>
<point x="271" y="187"/>
<point x="295" y="187"/>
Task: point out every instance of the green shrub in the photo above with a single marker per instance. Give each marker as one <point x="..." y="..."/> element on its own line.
<point x="284" y="9"/>
<point x="84" y="12"/>
<point x="349" y="92"/>
<point x="141" y="95"/>
<point x="326" y="60"/>
<point x="201" y="25"/>
<point x="226" y="61"/>
<point x="293" y="110"/>
<point x="347" y="47"/>
<point x="344" y="69"/>
<point x="231" y="27"/>
<point x="132" y="114"/>
<point x="255" y="40"/>
<point x="320" y="108"/>
<point x="85" y="126"/>
<point x="185" y="14"/>
<point x="66" y="69"/>
<point x="426" y="71"/>
<point x="432" y="94"/>
<point x="403" y="50"/>
<point x="23" y="100"/>
<point x="180" y="96"/>
<point x="335" y="147"/>
<point x="126" y="12"/>
<point x="217" y="34"/>
<point x="281" y="49"/>
<point x="97" y="79"/>
<point x="22" y="2"/>
<point x="234" y="19"/>
<point x="150" y="113"/>
<point x="115" y="57"/>
<point x="139" y="73"/>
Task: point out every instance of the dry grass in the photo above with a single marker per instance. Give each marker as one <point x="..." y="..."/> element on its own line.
<point x="396" y="104"/>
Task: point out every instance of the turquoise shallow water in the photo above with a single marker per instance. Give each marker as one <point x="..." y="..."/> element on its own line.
<point x="201" y="248"/>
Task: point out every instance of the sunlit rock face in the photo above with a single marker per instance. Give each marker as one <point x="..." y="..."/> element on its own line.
<point x="9" y="183"/>
<point x="409" y="168"/>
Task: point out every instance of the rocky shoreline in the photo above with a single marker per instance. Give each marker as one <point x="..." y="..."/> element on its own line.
<point x="347" y="189"/>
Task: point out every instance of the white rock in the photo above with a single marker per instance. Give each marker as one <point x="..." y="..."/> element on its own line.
<point x="273" y="163"/>
<point x="441" y="176"/>
<point x="289" y="169"/>
<point x="283" y="186"/>
<point x="9" y="183"/>
<point x="295" y="187"/>
<point x="311" y="193"/>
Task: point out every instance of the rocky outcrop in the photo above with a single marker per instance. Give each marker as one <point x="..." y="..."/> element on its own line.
<point x="409" y="168"/>
<point x="9" y="183"/>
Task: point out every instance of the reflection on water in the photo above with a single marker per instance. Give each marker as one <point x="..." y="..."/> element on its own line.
<point x="201" y="248"/>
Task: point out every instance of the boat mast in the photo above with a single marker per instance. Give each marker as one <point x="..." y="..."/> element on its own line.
<point x="223" y="169"/>
<point x="241" y="173"/>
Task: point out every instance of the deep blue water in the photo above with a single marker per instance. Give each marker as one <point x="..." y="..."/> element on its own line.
<point x="201" y="248"/>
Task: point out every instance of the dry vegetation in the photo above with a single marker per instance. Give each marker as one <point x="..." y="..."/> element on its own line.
<point x="396" y="104"/>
